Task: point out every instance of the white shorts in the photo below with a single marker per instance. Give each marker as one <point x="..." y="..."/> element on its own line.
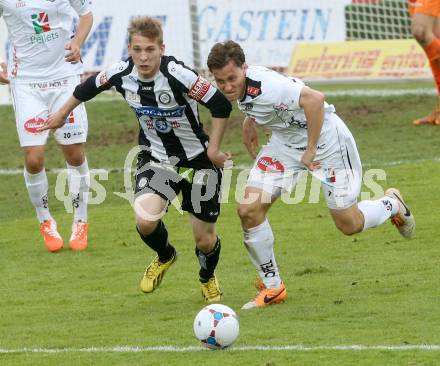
<point x="278" y="167"/>
<point x="33" y="101"/>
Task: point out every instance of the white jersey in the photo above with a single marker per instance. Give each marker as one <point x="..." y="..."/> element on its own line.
<point x="272" y="100"/>
<point x="39" y="31"/>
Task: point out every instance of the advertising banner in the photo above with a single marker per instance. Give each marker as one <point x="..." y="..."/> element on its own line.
<point x="269" y="30"/>
<point x="107" y="42"/>
<point x="388" y="59"/>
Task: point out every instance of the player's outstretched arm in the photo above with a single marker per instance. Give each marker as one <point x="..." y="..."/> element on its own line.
<point x="250" y="136"/>
<point x="215" y="138"/>
<point x="312" y="101"/>
<point x="58" y="119"/>
<point x="74" y="46"/>
<point x="4" y="73"/>
<point x="220" y="109"/>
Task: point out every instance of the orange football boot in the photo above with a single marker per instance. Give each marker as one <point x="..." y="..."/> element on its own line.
<point x="78" y="240"/>
<point x="52" y="239"/>
<point x="266" y="296"/>
<point x="431" y="119"/>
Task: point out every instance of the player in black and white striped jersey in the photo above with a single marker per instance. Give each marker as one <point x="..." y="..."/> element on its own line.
<point x="164" y="94"/>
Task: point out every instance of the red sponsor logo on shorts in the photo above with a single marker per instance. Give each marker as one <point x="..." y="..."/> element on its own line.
<point x="32" y="125"/>
<point x="270" y="165"/>
<point x="199" y="89"/>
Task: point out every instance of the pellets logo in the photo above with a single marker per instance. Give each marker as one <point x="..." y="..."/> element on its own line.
<point x="32" y="125"/>
<point x="40" y="22"/>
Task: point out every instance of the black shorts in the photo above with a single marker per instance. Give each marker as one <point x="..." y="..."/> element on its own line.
<point x="199" y="180"/>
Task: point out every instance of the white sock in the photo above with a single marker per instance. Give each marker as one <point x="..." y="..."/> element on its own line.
<point x="79" y="182"/>
<point x="37" y="187"/>
<point x="378" y="211"/>
<point x="259" y="244"/>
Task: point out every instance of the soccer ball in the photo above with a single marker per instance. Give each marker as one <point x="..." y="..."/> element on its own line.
<point x="216" y="326"/>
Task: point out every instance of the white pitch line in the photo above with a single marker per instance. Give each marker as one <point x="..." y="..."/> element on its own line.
<point x="189" y="349"/>
<point x="380" y="93"/>
<point x="238" y="167"/>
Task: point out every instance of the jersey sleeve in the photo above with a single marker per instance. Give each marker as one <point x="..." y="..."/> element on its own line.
<point x="200" y="89"/>
<point x="82" y="7"/>
<point x="194" y="85"/>
<point x="101" y="81"/>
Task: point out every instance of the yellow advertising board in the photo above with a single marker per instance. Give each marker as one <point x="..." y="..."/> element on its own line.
<point x="388" y="59"/>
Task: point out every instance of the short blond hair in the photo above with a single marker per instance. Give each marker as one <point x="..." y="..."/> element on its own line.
<point x="146" y="27"/>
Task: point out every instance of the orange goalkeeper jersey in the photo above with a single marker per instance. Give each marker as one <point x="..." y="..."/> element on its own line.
<point x="428" y="7"/>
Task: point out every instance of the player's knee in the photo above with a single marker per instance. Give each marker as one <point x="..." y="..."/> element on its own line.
<point x="76" y="160"/>
<point x="76" y="157"/>
<point x="34" y="163"/>
<point x="205" y="241"/>
<point x="145" y="227"/>
<point x="248" y="215"/>
<point x="346" y="230"/>
<point x="420" y="33"/>
<point x="349" y="228"/>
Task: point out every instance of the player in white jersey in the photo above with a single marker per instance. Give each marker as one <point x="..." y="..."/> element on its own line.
<point x="43" y="68"/>
<point x="306" y="134"/>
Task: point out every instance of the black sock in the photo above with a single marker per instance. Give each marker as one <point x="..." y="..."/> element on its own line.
<point x="158" y="241"/>
<point x="208" y="261"/>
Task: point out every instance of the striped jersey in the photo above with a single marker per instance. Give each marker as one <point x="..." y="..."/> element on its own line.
<point x="166" y="105"/>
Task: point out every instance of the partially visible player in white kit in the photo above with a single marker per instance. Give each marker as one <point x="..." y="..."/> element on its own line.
<point x="43" y="69"/>
<point x="306" y="134"/>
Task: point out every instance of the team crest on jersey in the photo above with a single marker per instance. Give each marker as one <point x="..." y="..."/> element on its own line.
<point x="164" y="98"/>
<point x="161" y="125"/>
<point x="270" y="165"/>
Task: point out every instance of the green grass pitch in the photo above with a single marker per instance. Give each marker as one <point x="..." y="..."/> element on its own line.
<point x="373" y="289"/>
